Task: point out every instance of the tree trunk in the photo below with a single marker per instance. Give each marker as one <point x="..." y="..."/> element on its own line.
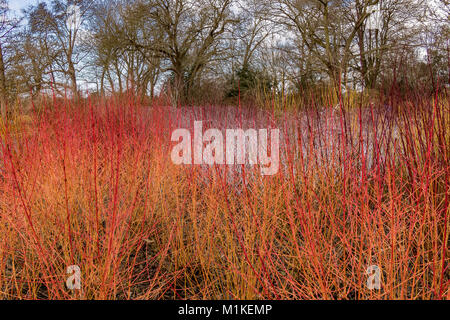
<point x="73" y="79"/>
<point x="102" y="82"/>
<point x="179" y="88"/>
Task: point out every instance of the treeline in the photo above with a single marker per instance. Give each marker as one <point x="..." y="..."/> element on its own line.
<point x="217" y="49"/>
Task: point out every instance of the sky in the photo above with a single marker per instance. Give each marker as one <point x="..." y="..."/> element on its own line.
<point x="17" y="5"/>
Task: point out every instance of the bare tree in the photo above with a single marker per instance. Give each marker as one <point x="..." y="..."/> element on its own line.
<point x="185" y="35"/>
<point x="7" y="26"/>
<point x="188" y="45"/>
<point x="322" y="27"/>
<point x="394" y="28"/>
<point x="61" y="24"/>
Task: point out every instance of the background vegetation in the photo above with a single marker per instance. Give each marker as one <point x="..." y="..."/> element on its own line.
<point x="197" y="51"/>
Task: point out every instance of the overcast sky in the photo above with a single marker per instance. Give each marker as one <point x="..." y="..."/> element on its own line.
<point x="20" y="4"/>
